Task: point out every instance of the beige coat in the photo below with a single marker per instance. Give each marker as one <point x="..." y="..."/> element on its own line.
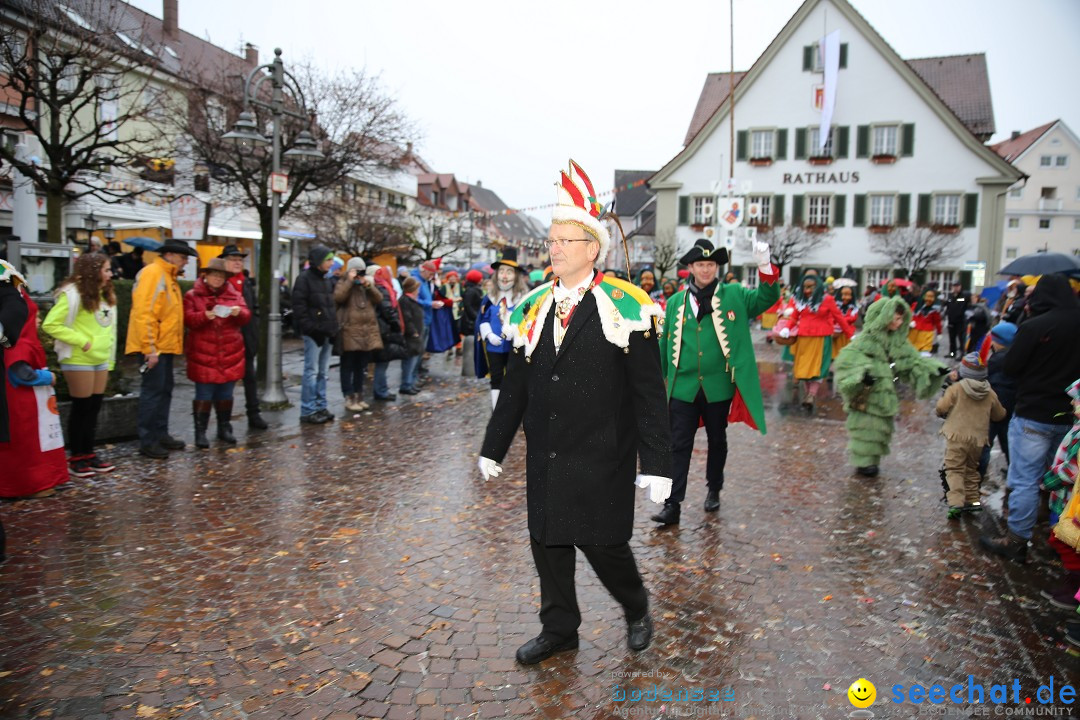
<point x="968" y="407"/>
<point x="356" y="316"/>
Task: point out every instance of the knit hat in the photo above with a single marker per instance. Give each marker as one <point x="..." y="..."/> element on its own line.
<point x="474" y="276"/>
<point x="410" y="284"/>
<point x="356" y="264"/>
<point x="432" y="265"/>
<point x="1004" y="333"/>
<point x="971" y="368"/>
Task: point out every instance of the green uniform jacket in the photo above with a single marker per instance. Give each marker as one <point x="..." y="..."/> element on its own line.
<point x="726" y="350"/>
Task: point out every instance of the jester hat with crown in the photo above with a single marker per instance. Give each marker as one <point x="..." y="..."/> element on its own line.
<point x="623" y="308"/>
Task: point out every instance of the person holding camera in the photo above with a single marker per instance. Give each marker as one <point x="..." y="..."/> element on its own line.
<point x="315" y="316"/>
<point x="356" y="298"/>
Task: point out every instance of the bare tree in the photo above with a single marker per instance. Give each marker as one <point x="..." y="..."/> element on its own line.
<point x="356" y="227"/>
<point x="85" y="86"/>
<point x="359" y="126"/>
<point x="789" y="243"/>
<point x="666" y="252"/>
<point x="438" y="234"/>
<point x="917" y="248"/>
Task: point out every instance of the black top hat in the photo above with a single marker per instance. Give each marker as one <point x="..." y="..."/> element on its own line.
<point x="509" y="259"/>
<point x="232" y="251"/>
<point x="704" y="250"/>
<point x="177" y="246"/>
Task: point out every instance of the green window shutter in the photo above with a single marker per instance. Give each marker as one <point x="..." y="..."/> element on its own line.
<point x="740" y="145"/>
<point x="907" y="140"/>
<point x="778" y="210"/>
<point x="841" y="140"/>
<point x="781" y="144"/>
<point x="843" y="55"/>
<point x="797" y="210"/>
<point x="862" y="141"/>
<point x="922" y="218"/>
<point x="971" y="209"/>
<point x="684" y="209"/>
<point x="860" y="211"/>
<point x="903" y="210"/>
<point x="808" y="57"/>
<point x="800" y="143"/>
<point x="839" y="210"/>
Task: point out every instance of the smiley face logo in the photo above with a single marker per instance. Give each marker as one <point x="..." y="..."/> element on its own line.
<point x="862" y="693"/>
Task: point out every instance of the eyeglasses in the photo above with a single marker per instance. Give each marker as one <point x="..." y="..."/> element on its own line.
<point x="563" y="242"/>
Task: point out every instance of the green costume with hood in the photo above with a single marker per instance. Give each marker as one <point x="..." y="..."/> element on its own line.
<point x="884" y="357"/>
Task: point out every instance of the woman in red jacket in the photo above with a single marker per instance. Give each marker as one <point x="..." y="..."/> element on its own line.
<point x="814" y="316"/>
<point x="925" y="322"/>
<point x="845" y="301"/>
<point x="214" y="312"/>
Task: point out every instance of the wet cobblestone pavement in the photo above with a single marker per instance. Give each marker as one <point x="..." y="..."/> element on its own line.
<point x="362" y="569"/>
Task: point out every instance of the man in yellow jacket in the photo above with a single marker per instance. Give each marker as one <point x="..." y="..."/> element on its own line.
<point x="156" y="333"/>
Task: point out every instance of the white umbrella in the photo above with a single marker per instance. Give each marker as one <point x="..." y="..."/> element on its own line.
<point x="844" y="282"/>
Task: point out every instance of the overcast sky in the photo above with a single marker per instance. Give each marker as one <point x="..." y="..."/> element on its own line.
<point x="505" y="92"/>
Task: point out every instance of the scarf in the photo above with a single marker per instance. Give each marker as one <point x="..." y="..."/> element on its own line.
<point x="386" y="286"/>
<point x="703" y="296"/>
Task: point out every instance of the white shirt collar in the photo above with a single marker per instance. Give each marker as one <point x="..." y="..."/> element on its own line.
<point x="575" y="293"/>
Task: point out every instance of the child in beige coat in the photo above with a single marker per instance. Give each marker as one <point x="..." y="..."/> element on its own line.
<point x="968" y="406"/>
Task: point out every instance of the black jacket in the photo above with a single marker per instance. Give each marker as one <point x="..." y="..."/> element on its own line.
<point x="250" y="331"/>
<point x="471" y="300"/>
<point x="314" y="311"/>
<point x="1003" y="384"/>
<point x="413" y="313"/>
<point x="13" y="314"/>
<point x="1045" y="356"/>
<point x="955" y="308"/>
<point x="589" y="413"/>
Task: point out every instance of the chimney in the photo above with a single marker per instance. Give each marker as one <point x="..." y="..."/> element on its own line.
<point x="170" y="18"/>
<point x="1015" y="134"/>
<point x="479" y="184"/>
<point x="251" y="54"/>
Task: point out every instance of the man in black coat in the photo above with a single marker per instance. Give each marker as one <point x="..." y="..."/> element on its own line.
<point x="584" y="375"/>
<point x="315" y="316"/>
<point x="955" y="308"/>
<point x="234" y="262"/>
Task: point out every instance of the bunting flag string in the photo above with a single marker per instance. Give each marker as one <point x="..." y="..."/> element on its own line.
<point x="513" y="211"/>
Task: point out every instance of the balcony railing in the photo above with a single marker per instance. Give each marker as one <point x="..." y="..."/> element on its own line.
<point x="1050" y="204"/>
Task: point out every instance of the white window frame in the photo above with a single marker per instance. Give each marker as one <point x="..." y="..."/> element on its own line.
<point x="817" y="62"/>
<point x="1046" y="161"/>
<point x="216" y="116"/>
<point x="1061" y="161"/>
<point x="883" y="209"/>
<point x="876" y="277"/>
<point x="1017" y="191"/>
<point x="19" y="40"/>
<point x="879" y="139"/>
<point x="1010" y="253"/>
<point x="945" y="209"/>
<point x="943" y="278"/>
<point x="697" y="209"/>
<point x="750" y="275"/>
<point x="814" y="138"/>
<point x="767" y="137"/>
<point x="765" y="218"/>
<point x="1049" y="224"/>
<point x="1012" y="222"/>
<point x="1076" y="223"/>
<point x="814" y="210"/>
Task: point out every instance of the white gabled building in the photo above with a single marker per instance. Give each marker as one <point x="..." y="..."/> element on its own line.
<point x="1043" y="211"/>
<point x="907" y="146"/>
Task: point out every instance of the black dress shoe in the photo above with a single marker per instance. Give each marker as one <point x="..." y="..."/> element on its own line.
<point x="386" y="398"/>
<point x="170" y="443"/>
<point x="639" y="633"/>
<point x="868" y="470"/>
<point x="541" y="648"/>
<point x="256" y="422"/>
<point x="669" y="515"/>
<point x="154" y="451"/>
<point x="712" y="501"/>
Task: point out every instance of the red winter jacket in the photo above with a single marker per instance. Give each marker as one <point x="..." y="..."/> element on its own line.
<point x="926" y="319"/>
<point x="214" y="348"/>
<point x="820" y="322"/>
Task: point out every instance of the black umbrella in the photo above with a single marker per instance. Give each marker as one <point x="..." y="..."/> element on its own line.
<point x="1041" y="263"/>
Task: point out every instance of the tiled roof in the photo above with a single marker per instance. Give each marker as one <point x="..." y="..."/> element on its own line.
<point x="514" y="228"/>
<point x="712" y="97"/>
<point x="1014" y="147"/>
<point x="963" y="83"/>
<point x="628" y="202"/>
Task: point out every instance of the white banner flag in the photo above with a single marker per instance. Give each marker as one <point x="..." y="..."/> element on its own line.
<point x="830" y="48"/>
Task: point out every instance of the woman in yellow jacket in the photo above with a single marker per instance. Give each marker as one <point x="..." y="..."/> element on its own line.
<point x="83" y="324"/>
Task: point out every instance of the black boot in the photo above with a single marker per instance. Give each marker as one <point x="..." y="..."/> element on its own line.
<point x="669" y="515"/>
<point x="712" y="501"/>
<point x="200" y="409"/>
<point x="255" y="420"/>
<point x="1010" y="546"/>
<point x="224" y="421"/>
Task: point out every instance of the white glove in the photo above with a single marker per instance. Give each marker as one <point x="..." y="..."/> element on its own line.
<point x="788" y="312"/>
<point x="912" y="324"/>
<point x="494" y="339"/>
<point x="489" y="468"/>
<point x="659" y="487"/>
<point x="785" y="332"/>
<point x="761" y="255"/>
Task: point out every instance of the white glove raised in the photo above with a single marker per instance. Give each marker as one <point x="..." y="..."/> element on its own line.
<point x="659" y="487"/>
<point x="785" y="332"/>
<point x="761" y="254"/>
<point x="494" y="339"/>
<point x="911" y="324"/>
<point x="489" y="468"/>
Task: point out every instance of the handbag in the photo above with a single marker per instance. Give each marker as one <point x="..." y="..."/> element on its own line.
<point x="1067" y="529"/>
<point x="50" y="433"/>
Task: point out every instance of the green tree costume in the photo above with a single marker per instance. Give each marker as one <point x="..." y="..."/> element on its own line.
<point x="885" y="357"/>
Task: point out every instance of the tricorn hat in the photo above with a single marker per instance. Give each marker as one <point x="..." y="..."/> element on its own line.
<point x="177" y="246"/>
<point x="704" y="250"/>
<point x="509" y="259"/>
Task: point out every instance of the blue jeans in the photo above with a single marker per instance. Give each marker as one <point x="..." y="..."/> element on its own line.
<point x="313" y="385"/>
<point x="409" y="367"/>
<point x="214" y="391"/>
<point x="353" y="366"/>
<point x="381" y="389"/>
<point x="1031" y="450"/>
<point x="155" y="398"/>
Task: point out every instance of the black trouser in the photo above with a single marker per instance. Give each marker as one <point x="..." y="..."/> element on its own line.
<point x="155" y="398"/>
<point x="251" y="385"/>
<point x="497" y="367"/>
<point x="614" y="565"/>
<point x="957" y="332"/>
<point x="684" y="418"/>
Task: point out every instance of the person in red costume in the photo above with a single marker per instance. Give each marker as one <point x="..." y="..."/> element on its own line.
<point x="813" y="319"/>
<point x="925" y="322"/>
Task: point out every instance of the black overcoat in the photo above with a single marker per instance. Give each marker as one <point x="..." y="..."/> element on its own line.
<point x="589" y="412"/>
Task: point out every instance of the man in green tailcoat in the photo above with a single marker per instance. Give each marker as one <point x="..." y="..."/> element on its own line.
<point x="709" y="364"/>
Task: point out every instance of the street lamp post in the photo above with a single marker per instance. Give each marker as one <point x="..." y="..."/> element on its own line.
<point x="246" y="135"/>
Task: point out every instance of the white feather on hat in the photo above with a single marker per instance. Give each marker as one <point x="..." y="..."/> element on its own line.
<point x="577" y="204"/>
